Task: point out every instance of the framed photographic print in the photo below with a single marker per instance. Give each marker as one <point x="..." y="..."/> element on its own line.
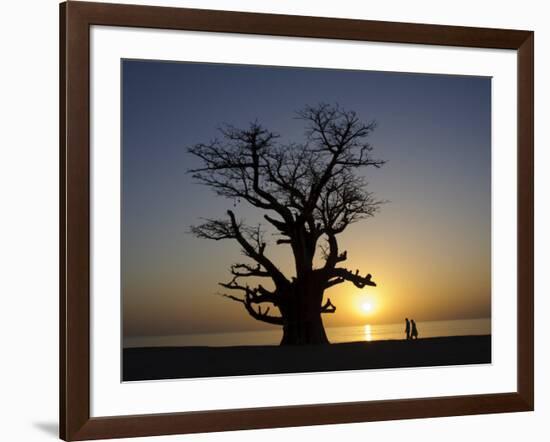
<point x="273" y="220"/>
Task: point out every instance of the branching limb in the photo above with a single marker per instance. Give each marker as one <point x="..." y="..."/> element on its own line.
<point x="246" y="270"/>
<point x="355" y="278"/>
<point x="235" y="168"/>
<point x="253" y="295"/>
<point x="248" y="301"/>
<point x="280" y="225"/>
<point x="215" y="229"/>
<point x="249" y="238"/>
<point x="332" y="256"/>
<point x="333" y="282"/>
<point x="256" y="255"/>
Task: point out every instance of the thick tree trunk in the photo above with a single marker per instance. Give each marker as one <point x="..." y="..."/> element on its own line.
<point x="310" y="331"/>
<point x="303" y="323"/>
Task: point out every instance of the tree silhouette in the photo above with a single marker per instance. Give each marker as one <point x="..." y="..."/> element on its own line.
<point x="310" y="193"/>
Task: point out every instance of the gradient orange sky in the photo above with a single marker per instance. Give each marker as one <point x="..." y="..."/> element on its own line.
<point x="428" y="249"/>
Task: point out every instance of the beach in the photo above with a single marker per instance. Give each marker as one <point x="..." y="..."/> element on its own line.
<point x="149" y="363"/>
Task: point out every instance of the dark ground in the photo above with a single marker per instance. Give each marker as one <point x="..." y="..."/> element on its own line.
<point x="192" y="362"/>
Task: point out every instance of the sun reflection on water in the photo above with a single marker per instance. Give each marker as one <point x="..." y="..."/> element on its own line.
<point x="368" y="333"/>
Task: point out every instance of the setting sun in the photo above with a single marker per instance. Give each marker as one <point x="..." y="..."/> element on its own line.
<point x="366" y="306"/>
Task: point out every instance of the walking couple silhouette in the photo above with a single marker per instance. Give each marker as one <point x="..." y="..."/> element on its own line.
<point x="410" y="329"/>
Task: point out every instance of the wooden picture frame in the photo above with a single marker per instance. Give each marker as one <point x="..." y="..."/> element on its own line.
<point x="75" y="21"/>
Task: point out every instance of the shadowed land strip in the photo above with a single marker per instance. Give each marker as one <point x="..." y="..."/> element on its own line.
<point x="191" y="362"/>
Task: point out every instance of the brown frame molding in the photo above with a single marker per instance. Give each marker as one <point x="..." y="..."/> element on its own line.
<point x="75" y="21"/>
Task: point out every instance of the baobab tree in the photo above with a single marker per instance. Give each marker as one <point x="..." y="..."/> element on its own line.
<point x="310" y="193"/>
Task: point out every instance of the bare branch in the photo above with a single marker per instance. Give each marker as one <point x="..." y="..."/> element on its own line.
<point x="245" y="270"/>
<point x="235" y="168"/>
<point x="214" y="229"/>
<point x="328" y="307"/>
<point x="339" y="139"/>
<point x="257" y="255"/>
<point x="284" y="241"/>
<point x="355" y="278"/>
<point x="256" y="314"/>
<point x="333" y="282"/>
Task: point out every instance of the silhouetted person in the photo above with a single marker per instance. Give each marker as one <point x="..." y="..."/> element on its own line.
<point x="408" y="328"/>
<point x="414" y="332"/>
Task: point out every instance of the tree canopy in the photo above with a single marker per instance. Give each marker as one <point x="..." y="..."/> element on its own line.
<point x="310" y="192"/>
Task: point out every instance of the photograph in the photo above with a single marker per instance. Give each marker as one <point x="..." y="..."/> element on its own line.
<point x="288" y="220"/>
<point x="306" y="220"/>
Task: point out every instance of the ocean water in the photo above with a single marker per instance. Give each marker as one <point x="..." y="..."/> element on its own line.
<point x="367" y="332"/>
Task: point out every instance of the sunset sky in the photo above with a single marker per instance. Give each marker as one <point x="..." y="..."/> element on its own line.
<point x="428" y="249"/>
